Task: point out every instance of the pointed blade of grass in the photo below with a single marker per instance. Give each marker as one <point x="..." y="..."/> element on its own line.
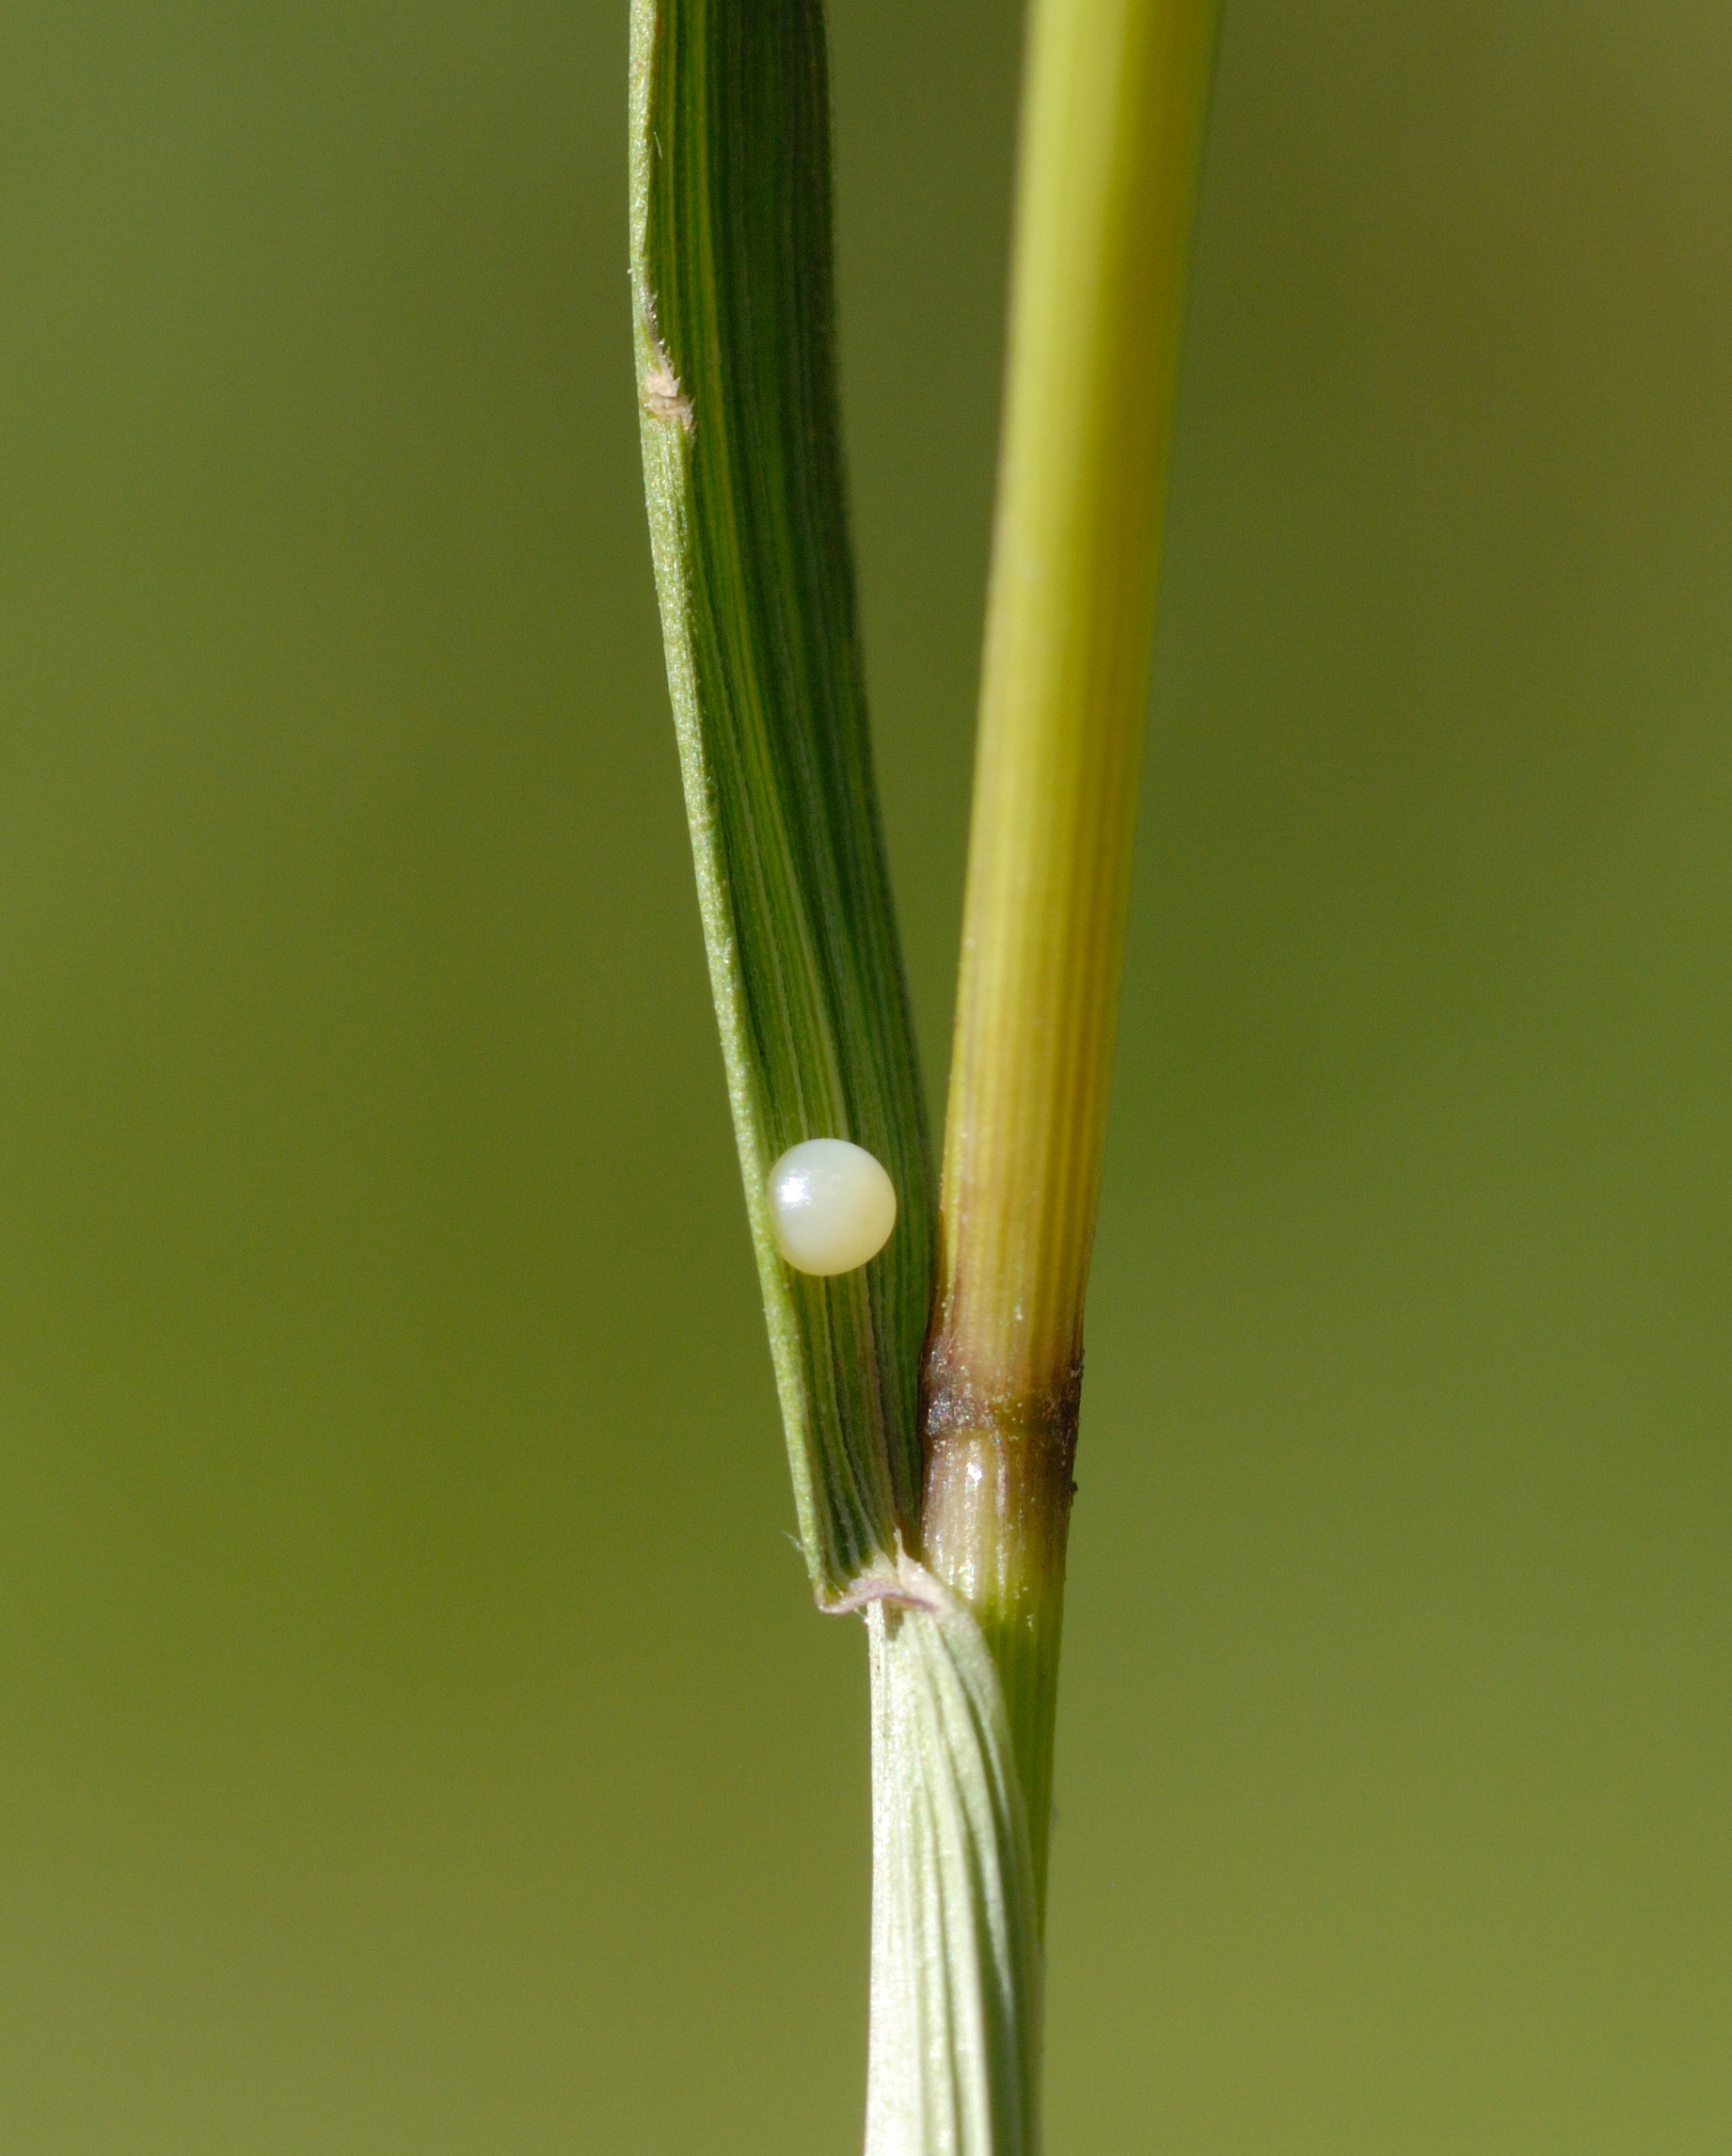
<point x="732" y="289"/>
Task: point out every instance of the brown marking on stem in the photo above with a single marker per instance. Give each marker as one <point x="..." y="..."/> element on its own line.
<point x="998" y="1479"/>
<point x="995" y="1518"/>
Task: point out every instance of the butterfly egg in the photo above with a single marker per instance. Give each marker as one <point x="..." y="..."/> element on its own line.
<point x="834" y="1206"/>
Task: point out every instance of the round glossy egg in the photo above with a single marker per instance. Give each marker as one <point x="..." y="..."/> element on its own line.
<point x="834" y="1206"/>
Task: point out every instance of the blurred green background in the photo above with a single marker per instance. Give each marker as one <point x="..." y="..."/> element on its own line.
<point x="418" y="1741"/>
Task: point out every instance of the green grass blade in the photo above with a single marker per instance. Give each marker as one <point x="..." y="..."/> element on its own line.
<point x="733" y="295"/>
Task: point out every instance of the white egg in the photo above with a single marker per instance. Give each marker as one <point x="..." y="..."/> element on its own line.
<point x="833" y="1205"/>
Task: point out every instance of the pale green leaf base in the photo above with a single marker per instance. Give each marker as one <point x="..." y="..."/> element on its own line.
<point x="956" y="1960"/>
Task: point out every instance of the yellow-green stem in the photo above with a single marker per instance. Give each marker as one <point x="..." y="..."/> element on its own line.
<point x="1112" y="122"/>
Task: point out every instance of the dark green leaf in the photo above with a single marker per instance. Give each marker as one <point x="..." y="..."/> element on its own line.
<point x="733" y="291"/>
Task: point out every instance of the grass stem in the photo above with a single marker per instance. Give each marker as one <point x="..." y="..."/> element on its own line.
<point x="1112" y="123"/>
